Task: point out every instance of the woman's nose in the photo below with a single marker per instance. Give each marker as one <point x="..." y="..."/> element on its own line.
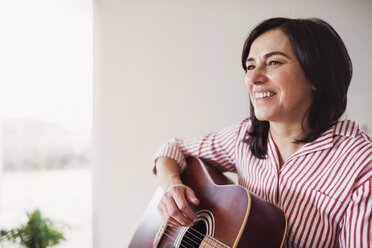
<point x="256" y="76"/>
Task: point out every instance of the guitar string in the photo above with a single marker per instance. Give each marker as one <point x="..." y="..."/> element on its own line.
<point x="197" y="232"/>
<point x="202" y="234"/>
<point x="211" y="244"/>
<point x="211" y="238"/>
<point x="174" y="239"/>
<point x="175" y="234"/>
<point x="210" y="241"/>
<point x="200" y="239"/>
<point x="185" y="236"/>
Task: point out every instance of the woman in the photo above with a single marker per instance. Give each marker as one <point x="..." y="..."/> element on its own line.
<point x="293" y="151"/>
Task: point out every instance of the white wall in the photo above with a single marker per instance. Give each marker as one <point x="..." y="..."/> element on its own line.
<point x="1" y="176"/>
<point x="172" y="68"/>
<point x="2" y="62"/>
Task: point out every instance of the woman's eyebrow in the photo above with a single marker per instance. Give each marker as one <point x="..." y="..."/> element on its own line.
<point x="270" y="54"/>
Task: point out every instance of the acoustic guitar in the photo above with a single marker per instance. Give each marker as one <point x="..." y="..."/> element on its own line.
<point x="228" y="216"/>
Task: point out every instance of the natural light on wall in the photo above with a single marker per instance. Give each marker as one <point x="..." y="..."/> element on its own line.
<point x="46" y="114"/>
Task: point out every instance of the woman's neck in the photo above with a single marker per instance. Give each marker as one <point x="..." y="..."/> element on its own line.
<point x="284" y="136"/>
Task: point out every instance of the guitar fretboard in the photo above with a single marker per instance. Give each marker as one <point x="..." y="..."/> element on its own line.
<point x="210" y="242"/>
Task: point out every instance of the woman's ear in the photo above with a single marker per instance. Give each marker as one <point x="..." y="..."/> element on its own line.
<point x="313" y="88"/>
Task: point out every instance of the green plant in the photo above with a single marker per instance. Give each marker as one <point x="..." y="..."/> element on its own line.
<point x="38" y="232"/>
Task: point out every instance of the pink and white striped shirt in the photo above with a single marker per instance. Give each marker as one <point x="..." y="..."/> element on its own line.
<point x="324" y="188"/>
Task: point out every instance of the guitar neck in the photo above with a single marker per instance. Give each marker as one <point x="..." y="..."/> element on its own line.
<point x="209" y="242"/>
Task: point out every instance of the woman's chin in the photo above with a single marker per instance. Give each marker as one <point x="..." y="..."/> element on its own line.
<point x="262" y="117"/>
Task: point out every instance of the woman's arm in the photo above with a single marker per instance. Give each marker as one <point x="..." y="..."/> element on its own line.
<point x="218" y="148"/>
<point x="168" y="172"/>
<point x="174" y="206"/>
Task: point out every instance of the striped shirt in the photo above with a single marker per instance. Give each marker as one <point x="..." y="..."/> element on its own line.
<point x="324" y="188"/>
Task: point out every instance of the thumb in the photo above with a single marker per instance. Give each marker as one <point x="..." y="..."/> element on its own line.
<point x="191" y="197"/>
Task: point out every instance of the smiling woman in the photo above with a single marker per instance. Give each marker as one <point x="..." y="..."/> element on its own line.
<point x="327" y="69"/>
<point x="293" y="151"/>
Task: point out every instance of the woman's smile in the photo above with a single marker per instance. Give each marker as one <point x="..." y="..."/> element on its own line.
<point x="264" y="95"/>
<point x="278" y="87"/>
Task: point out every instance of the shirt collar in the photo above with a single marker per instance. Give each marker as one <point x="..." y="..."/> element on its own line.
<point x="323" y="142"/>
<point x="326" y="140"/>
<point x="347" y="128"/>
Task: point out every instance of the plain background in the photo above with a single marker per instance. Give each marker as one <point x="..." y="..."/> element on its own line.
<point x="172" y="68"/>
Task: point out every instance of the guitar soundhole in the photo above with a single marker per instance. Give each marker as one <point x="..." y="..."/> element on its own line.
<point x="194" y="235"/>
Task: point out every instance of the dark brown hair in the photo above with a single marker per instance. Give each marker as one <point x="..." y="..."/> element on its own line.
<point x="326" y="63"/>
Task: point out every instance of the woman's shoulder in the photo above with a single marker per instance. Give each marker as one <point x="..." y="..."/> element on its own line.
<point x="353" y="144"/>
<point x="246" y="122"/>
<point x="350" y="130"/>
<point x="244" y="126"/>
<point x="350" y="139"/>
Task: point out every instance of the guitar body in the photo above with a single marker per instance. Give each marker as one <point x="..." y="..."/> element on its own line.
<point x="228" y="216"/>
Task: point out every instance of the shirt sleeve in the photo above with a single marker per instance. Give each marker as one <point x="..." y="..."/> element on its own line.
<point x="217" y="148"/>
<point x="356" y="230"/>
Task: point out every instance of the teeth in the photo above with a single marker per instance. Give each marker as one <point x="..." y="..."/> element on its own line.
<point x="264" y="94"/>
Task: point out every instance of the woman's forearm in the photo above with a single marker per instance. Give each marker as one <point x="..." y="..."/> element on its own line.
<point x="167" y="172"/>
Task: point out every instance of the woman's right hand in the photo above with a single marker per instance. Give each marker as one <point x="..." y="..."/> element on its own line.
<point x="174" y="206"/>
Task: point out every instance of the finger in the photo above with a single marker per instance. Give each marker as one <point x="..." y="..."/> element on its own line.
<point x="191" y="197"/>
<point x="166" y="217"/>
<point x="173" y="223"/>
<point x="184" y="206"/>
<point x="161" y="212"/>
<point x="176" y="213"/>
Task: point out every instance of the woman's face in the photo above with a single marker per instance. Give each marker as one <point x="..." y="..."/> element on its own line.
<point x="278" y="87"/>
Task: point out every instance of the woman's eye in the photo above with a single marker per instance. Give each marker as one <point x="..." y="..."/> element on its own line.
<point x="250" y="67"/>
<point x="274" y="62"/>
